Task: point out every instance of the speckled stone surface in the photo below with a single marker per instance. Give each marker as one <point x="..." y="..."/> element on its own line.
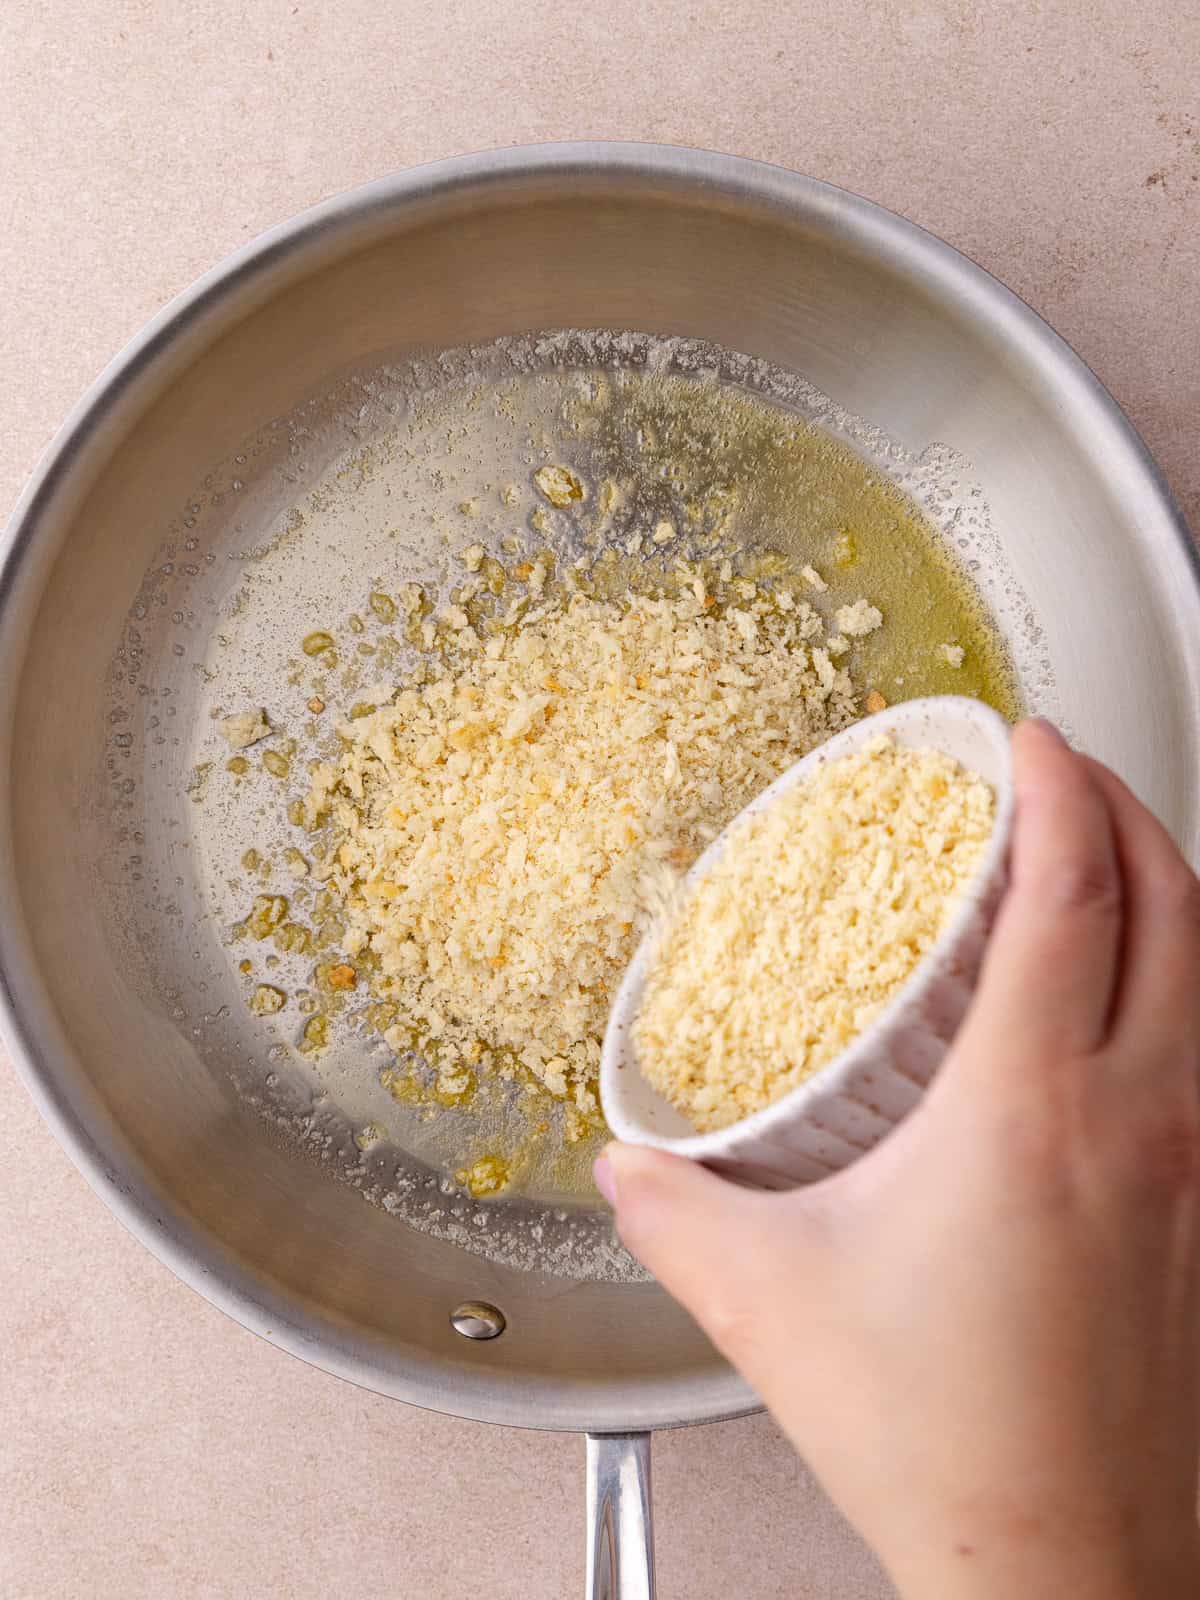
<point x="149" y="1448"/>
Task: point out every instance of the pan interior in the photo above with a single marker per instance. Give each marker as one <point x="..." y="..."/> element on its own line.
<point x="307" y="532"/>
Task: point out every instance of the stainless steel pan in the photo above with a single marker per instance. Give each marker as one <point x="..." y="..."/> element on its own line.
<point x="145" y="1082"/>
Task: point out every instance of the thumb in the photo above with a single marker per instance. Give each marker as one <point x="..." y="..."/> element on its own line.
<point x="713" y="1245"/>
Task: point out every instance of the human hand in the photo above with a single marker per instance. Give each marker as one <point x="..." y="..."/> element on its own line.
<point x="983" y="1336"/>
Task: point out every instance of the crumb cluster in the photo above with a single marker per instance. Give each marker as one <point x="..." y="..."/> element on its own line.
<point x="816" y="913"/>
<point x="505" y="827"/>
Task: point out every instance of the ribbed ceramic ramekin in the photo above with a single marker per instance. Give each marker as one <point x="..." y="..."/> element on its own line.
<point x="850" y="1104"/>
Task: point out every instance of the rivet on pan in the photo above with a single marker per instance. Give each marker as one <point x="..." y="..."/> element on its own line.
<point x="475" y="1319"/>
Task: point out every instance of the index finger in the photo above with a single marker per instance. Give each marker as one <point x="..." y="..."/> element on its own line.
<point x="1050" y="972"/>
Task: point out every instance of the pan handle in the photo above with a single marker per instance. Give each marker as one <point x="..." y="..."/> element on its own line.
<point x="620" y="1558"/>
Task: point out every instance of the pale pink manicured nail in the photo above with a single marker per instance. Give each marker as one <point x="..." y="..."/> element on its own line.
<point x="605" y="1179"/>
<point x="1047" y="726"/>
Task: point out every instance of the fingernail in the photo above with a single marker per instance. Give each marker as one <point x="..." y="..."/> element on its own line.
<point x="1048" y="727"/>
<point x="605" y="1179"/>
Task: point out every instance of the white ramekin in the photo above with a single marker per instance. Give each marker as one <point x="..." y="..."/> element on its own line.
<point x="850" y="1104"/>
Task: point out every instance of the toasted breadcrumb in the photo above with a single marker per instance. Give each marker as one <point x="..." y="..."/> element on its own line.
<point x="816" y="913"/>
<point x="858" y="619"/>
<point x="245" y="728"/>
<point x="265" y="1000"/>
<point x="559" y="484"/>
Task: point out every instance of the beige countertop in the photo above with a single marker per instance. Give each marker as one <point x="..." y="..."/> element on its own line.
<point x="149" y="1447"/>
